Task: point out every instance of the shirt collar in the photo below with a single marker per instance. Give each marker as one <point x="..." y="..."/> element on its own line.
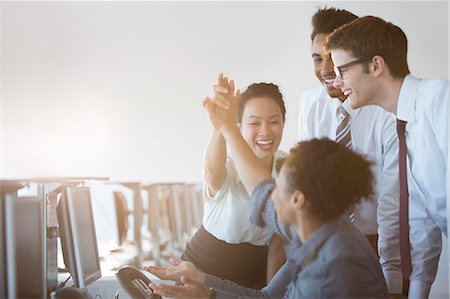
<point x="352" y="112"/>
<point x="346" y="105"/>
<point x="407" y="99"/>
<point x="304" y="254"/>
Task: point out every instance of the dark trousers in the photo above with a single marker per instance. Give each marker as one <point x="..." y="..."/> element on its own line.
<point x="243" y="263"/>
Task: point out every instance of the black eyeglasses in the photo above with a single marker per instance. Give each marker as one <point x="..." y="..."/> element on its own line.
<point x="338" y="69"/>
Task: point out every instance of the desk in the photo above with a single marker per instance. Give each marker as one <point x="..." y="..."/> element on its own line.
<point x="107" y="286"/>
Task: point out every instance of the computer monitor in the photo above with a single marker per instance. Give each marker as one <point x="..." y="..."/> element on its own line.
<point x="122" y="213"/>
<point x="78" y="237"/>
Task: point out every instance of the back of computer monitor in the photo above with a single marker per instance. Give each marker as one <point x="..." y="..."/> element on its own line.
<point x="8" y="286"/>
<point x="29" y="237"/>
<point x="122" y="212"/>
<point x="3" y="265"/>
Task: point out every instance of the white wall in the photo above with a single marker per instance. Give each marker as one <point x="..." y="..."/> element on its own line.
<point x="114" y="89"/>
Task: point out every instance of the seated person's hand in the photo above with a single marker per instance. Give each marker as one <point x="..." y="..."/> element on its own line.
<point x="179" y="268"/>
<point x="190" y="289"/>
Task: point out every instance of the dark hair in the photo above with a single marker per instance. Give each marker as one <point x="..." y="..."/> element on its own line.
<point x="331" y="176"/>
<point x="261" y="90"/>
<point x="326" y="20"/>
<point x="370" y="36"/>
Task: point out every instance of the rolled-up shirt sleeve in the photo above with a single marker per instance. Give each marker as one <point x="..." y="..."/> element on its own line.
<point x="262" y="209"/>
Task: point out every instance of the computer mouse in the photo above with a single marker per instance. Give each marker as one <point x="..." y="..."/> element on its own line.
<point x="67" y="293"/>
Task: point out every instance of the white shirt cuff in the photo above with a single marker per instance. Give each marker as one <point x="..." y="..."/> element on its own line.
<point x="394" y="281"/>
<point x="419" y="289"/>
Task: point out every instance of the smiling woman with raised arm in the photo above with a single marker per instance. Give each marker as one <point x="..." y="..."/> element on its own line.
<point x="228" y="245"/>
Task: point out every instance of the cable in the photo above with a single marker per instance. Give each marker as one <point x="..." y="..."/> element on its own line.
<point x="116" y="296"/>
<point x="63" y="284"/>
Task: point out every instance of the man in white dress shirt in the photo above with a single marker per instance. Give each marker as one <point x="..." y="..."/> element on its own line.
<point x="373" y="133"/>
<point x="371" y="69"/>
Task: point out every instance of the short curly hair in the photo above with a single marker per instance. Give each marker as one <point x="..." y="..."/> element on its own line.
<point x="261" y="90"/>
<point x="332" y="177"/>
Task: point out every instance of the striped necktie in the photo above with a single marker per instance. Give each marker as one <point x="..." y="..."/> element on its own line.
<point x="343" y="132"/>
<point x="405" y="253"/>
<point x="344" y="136"/>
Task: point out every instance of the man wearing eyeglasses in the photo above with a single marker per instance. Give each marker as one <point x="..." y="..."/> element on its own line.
<point x="371" y="69"/>
<point x="370" y="131"/>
